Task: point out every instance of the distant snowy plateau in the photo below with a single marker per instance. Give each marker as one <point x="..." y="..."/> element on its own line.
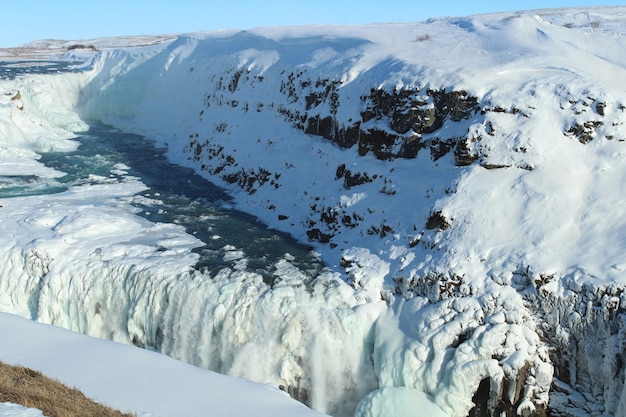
<point x="462" y="179"/>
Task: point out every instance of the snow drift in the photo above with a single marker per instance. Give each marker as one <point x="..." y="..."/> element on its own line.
<point x="463" y="178"/>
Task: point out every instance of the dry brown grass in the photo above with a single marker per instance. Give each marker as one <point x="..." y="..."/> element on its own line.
<point x="32" y="389"/>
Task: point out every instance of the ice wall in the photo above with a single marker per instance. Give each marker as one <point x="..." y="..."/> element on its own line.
<point x="37" y="116"/>
<point x="84" y="261"/>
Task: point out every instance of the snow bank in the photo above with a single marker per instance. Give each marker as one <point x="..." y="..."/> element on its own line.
<point x="214" y="93"/>
<point x="15" y="410"/>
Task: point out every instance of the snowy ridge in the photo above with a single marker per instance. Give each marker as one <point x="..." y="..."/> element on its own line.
<point x="464" y="176"/>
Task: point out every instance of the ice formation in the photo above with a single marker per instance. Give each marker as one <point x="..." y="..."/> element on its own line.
<point x="132" y="379"/>
<point x="463" y="179"/>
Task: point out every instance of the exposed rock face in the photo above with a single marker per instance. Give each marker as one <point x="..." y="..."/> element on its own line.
<point x="588" y="348"/>
<point x="407" y="114"/>
<point x="391" y="125"/>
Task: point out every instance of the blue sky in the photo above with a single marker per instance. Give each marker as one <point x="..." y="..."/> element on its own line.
<point x="24" y="21"/>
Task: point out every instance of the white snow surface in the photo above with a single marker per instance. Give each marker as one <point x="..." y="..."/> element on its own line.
<point x="132" y="379"/>
<point x="531" y="259"/>
<point x="16" y="410"/>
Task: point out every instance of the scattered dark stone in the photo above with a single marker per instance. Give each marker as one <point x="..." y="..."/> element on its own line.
<point x="600" y="108"/>
<point x="439" y="148"/>
<point x="317" y="235"/>
<point x="462" y="154"/>
<point x="495" y="166"/>
<point x="345" y="220"/>
<point x="345" y="263"/>
<point x="351" y="180"/>
<point x="481" y="399"/>
<point x="415" y="241"/>
<point x="341" y="171"/>
<point x="386" y="230"/>
<point x="234" y="82"/>
<point x="584" y="132"/>
<point x="230" y="178"/>
<point x="437" y="221"/>
<point x="382" y="230"/>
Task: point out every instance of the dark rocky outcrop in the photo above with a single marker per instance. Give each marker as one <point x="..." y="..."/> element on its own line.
<point x="584" y="132"/>
<point x="392" y="123"/>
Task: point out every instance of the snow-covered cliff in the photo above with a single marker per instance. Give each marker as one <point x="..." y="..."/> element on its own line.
<point x="465" y="177"/>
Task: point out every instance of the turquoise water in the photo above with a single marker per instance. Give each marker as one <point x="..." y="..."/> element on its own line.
<point x="175" y="195"/>
<point x="13" y="69"/>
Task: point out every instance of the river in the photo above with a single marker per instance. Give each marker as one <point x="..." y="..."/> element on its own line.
<point x="176" y="195"/>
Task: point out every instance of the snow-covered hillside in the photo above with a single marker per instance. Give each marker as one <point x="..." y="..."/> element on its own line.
<point x="463" y="178"/>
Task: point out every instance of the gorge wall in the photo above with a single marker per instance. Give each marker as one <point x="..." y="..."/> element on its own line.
<point x="428" y="185"/>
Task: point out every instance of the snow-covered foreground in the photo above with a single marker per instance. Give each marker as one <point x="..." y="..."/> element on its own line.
<point x="135" y="380"/>
<point x="17" y="410"/>
<point x="463" y="179"/>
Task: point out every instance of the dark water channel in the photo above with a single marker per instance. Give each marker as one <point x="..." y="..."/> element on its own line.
<point x="13" y="69"/>
<point x="176" y="195"/>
